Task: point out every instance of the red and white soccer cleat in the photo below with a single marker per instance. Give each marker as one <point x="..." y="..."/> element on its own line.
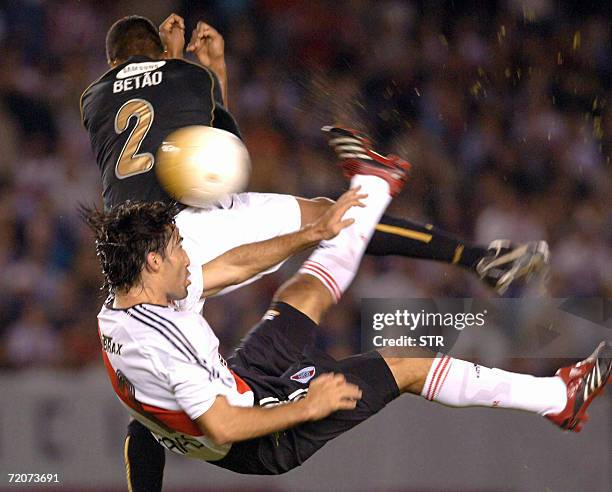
<point x="354" y="149"/>
<point x="584" y="381"/>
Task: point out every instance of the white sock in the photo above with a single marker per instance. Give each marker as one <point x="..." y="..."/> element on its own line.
<point x="335" y="262"/>
<point x="458" y="383"/>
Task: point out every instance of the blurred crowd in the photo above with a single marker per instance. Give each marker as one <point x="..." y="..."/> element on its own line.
<point x="504" y="111"/>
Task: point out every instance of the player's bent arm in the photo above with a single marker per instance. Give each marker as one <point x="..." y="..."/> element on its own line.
<point x="224" y="423"/>
<point x="209" y="48"/>
<point x="243" y="262"/>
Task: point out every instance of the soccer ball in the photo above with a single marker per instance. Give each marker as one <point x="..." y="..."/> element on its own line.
<point x="198" y="165"/>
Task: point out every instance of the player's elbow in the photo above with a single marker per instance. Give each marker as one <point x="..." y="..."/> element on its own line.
<point x="217" y="433"/>
<point x="220" y="436"/>
<point x="221" y="432"/>
<point x="217" y="423"/>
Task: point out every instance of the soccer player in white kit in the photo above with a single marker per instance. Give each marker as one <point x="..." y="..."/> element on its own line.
<point x="278" y="399"/>
<point x="149" y="92"/>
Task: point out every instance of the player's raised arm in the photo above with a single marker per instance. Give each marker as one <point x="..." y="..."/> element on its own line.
<point x="209" y="48"/>
<point x="241" y="263"/>
<point x="224" y="423"/>
<point x="172" y="34"/>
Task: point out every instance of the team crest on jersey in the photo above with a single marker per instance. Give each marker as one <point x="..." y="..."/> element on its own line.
<point x="304" y="375"/>
<point x="138" y="68"/>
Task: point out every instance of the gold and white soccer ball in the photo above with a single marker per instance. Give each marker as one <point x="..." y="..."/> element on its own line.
<point x="198" y="165"/>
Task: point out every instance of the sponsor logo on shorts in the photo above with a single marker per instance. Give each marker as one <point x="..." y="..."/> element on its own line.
<point x="271" y="314"/>
<point x="304" y="375"/>
<point x="138" y="68"/>
<point x="273" y="401"/>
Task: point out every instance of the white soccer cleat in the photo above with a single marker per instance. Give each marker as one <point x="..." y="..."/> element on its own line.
<point x="506" y="262"/>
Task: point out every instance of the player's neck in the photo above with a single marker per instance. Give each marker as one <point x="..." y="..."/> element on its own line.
<point x="152" y="56"/>
<point x="139" y="295"/>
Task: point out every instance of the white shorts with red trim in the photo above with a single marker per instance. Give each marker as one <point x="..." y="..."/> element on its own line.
<point x="240" y="219"/>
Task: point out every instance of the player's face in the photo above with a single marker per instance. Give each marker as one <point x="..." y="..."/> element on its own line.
<point x="176" y="275"/>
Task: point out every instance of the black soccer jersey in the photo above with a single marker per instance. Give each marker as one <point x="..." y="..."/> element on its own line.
<point x="133" y="107"/>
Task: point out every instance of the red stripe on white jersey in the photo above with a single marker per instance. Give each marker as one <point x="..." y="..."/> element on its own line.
<point x="241" y="384"/>
<point x="176" y="420"/>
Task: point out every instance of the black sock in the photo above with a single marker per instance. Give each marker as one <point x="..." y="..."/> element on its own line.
<point x="144" y="459"/>
<point x="403" y="237"/>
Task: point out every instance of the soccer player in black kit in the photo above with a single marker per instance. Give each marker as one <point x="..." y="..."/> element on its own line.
<point x="150" y="91"/>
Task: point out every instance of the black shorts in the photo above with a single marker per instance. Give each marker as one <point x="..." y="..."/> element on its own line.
<point x="278" y="360"/>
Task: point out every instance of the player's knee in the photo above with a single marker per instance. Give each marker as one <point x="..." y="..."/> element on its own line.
<point x="312" y="208"/>
<point x="409" y="367"/>
<point x="306" y="294"/>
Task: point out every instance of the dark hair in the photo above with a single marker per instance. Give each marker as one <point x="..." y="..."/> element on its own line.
<point x="126" y="235"/>
<point x="132" y="35"/>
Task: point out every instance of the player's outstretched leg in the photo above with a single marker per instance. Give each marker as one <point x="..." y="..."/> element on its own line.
<point x="563" y="398"/>
<point x="498" y="265"/>
<point x="330" y="269"/>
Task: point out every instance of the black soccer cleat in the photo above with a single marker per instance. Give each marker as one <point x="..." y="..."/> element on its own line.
<point x="584" y="381"/>
<point x="354" y="149"/>
<point x="507" y="262"/>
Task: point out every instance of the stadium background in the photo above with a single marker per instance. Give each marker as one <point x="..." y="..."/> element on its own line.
<point x="503" y="108"/>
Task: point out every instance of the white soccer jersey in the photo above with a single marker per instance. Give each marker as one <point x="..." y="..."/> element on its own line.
<point x="241" y="218"/>
<point x="165" y="367"/>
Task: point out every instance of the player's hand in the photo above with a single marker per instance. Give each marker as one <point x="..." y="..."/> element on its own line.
<point x="329" y="393"/>
<point x="331" y="223"/>
<point x="208" y="46"/>
<point x="172" y="33"/>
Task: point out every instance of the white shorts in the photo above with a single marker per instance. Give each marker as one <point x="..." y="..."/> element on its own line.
<point x="242" y="218"/>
